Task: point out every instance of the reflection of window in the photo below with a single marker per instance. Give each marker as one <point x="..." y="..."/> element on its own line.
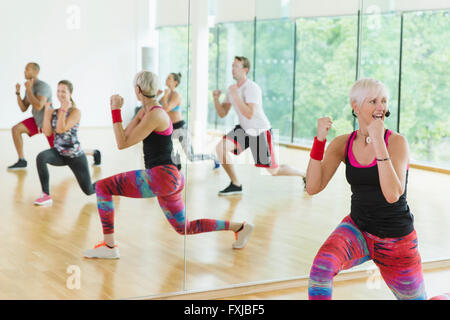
<point x="325" y="72"/>
<point x="380" y="52"/>
<point x="173" y="57"/>
<point x="212" y="76"/>
<point x="274" y="72"/>
<point x="233" y="39"/>
<point x="425" y="95"/>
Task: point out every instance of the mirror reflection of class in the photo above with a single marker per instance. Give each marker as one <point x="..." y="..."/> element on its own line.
<point x="226" y="149"/>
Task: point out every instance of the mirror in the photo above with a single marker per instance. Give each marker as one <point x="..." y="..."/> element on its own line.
<point x="305" y="57"/>
<point x="99" y="46"/>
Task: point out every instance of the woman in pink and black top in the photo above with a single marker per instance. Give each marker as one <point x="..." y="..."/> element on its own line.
<point x="160" y="178"/>
<point x="380" y="224"/>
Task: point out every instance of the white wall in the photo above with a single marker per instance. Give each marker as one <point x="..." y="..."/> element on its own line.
<point x="172" y="13"/>
<point x="98" y="50"/>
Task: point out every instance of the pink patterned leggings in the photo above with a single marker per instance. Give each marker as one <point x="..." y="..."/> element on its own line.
<point x="398" y="260"/>
<point x="164" y="182"/>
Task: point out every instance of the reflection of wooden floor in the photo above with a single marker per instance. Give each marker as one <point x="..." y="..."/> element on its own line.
<point x="39" y="244"/>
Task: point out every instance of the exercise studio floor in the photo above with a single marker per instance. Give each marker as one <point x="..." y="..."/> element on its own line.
<point x="42" y="246"/>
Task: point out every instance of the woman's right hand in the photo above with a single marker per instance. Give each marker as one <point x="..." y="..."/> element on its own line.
<point x="323" y="126"/>
<point x="48" y="107"/>
<point x="116" y="102"/>
<point x="217" y="93"/>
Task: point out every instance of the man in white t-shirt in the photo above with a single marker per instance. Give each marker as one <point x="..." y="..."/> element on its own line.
<point x="253" y="131"/>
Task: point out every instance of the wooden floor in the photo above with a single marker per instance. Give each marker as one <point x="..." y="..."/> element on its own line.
<point x="437" y="282"/>
<point x="41" y="244"/>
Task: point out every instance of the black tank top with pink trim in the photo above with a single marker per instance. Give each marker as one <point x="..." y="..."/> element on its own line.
<point x="369" y="209"/>
<point x="158" y="147"/>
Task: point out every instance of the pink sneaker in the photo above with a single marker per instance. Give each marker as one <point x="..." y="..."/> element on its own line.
<point x="44" y="199"/>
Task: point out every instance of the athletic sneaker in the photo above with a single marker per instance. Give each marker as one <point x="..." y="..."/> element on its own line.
<point x="242" y="236"/>
<point x="97" y="158"/>
<point x="102" y="251"/>
<point x="216" y="164"/>
<point x="44" y="199"/>
<point x="230" y="190"/>
<point x="19" y="165"/>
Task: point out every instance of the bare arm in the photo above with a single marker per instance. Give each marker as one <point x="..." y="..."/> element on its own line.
<point x="47" y="123"/>
<point x="147" y="125"/>
<point x="319" y="173"/>
<point x="175" y="100"/>
<point x="36" y="102"/>
<point x="23" y="104"/>
<point x="137" y="118"/>
<point x="392" y="173"/>
<point x="221" y="108"/>
<point x="141" y="126"/>
<point x="247" y="109"/>
<point x="65" y="124"/>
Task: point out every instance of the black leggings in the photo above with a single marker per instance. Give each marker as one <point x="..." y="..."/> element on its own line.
<point x="78" y="165"/>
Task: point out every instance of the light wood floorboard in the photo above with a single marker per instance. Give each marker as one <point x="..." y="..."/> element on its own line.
<point x="40" y="244"/>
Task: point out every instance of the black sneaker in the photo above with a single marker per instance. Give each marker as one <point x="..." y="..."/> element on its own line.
<point x="97" y="158"/>
<point x="176" y="159"/>
<point x="231" y="190"/>
<point x="19" y="165"/>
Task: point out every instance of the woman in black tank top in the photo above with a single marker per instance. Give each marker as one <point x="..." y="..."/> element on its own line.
<point x="380" y="225"/>
<point x="161" y="177"/>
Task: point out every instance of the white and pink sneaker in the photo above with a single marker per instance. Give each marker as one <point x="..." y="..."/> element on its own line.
<point x="102" y="251"/>
<point x="44" y="199"/>
<point x="242" y="236"/>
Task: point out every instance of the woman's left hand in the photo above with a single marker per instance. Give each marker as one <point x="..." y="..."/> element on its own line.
<point x="116" y="102"/>
<point x="66" y="105"/>
<point x="376" y="130"/>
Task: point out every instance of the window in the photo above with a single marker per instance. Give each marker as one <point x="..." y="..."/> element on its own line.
<point x="380" y="55"/>
<point x="274" y="72"/>
<point x="173" y="57"/>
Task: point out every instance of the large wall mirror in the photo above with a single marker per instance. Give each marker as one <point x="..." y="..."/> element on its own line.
<point x="98" y="46"/>
<point x="305" y="57"/>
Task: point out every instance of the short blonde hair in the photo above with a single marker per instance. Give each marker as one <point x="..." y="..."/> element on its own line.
<point x="148" y="82"/>
<point x="362" y="88"/>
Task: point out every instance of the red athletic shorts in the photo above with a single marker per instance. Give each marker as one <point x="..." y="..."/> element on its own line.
<point x="32" y="127"/>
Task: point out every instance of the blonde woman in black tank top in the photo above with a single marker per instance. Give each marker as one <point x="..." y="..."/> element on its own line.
<point x="380" y="225"/>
